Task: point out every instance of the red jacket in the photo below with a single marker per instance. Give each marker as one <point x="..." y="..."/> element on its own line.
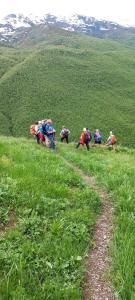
<point x="82" y="138"/>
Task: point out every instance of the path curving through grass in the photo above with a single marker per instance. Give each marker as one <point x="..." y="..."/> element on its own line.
<point x="96" y="285"/>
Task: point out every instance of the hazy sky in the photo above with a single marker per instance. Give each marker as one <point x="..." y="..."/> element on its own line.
<point x="122" y="11"/>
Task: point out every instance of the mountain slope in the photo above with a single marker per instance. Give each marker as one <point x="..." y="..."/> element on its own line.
<point x="89" y="82"/>
<point x="18" y="25"/>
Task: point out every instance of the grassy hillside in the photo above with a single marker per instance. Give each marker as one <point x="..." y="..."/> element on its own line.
<point x="124" y="36"/>
<point x="42" y="257"/>
<point x="9" y="57"/>
<point x="77" y="81"/>
<point x="114" y="170"/>
<point x="54" y="213"/>
<point x="41" y="34"/>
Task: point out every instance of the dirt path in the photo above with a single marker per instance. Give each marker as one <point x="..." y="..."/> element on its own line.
<point x="10" y="224"/>
<point x="95" y="284"/>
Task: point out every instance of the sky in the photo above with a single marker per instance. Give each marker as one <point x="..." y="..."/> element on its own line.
<point x="120" y="11"/>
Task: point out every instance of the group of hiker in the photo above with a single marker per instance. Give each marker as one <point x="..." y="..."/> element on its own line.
<point x="44" y="133"/>
<point x="86" y="138"/>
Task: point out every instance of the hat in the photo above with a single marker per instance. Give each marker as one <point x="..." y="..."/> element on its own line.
<point x="110" y="132"/>
<point x="84" y="129"/>
<point x="49" y="121"/>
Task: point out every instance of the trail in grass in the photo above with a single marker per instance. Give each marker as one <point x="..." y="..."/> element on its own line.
<point x="11" y="224"/>
<point x="96" y="285"/>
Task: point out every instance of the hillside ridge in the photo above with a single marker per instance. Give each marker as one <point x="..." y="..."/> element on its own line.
<point x="13" y="25"/>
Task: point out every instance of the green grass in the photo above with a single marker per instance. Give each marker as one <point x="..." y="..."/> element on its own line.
<point x="124" y="36"/>
<point x="77" y="81"/>
<point x="114" y="170"/>
<point x="43" y="257"/>
<point x="9" y="57"/>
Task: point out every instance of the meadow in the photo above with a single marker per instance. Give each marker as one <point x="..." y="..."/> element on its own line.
<point x="53" y="212"/>
<point x="115" y="171"/>
<point x="78" y="81"/>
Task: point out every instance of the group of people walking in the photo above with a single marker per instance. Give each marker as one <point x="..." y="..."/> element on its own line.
<point x="45" y="134"/>
<point x="86" y="138"/>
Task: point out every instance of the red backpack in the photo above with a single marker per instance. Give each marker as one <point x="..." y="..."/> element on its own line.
<point x="32" y="129"/>
<point x="114" y="140"/>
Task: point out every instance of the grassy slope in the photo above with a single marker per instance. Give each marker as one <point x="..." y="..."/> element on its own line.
<point x="124" y="36"/>
<point x="39" y="33"/>
<point x="80" y="81"/>
<point x="9" y="57"/>
<point x="115" y="170"/>
<point x="42" y="258"/>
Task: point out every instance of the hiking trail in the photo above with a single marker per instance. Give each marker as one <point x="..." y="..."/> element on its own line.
<point x="95" y="284"/>
<point x="11" y="224"/>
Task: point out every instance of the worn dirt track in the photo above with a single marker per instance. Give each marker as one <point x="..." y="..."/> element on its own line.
<point x="95" y="285"/>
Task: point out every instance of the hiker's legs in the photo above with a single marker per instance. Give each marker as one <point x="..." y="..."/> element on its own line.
<point x="62" y="139"/>
<point x="66" y="139"/>
<point x="87" y="145"/>
<point x="77" y="146"/>
<point x="47" y="142"/>
<point x="52" y="142"/>
<point x="41" y="138"/>
<point x="37" y="138"/>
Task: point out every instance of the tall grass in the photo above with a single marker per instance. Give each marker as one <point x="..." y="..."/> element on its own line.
<point x="43" y="257"/>
<point x="115" y="170"/>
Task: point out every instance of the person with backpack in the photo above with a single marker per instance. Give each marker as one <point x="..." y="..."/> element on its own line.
<point x="50" y="132"/>
<point x="84" y="138"/>
<point x="40" y="132"/>
<point x="34" y="130"/>
<point x="111" y="141"/>
<point x="64" y="134"/>
<point x="97" y="137"/>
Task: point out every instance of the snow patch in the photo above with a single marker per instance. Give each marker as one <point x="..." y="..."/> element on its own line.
<point x="104" y="28"/>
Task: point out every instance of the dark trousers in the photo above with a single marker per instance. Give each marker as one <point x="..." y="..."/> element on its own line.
<point x="66" y="138"/>
<point x="86" y="143"/>
<point x="37" y="138"/>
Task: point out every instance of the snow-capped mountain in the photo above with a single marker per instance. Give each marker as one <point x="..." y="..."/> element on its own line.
<point x="13" y="23"/>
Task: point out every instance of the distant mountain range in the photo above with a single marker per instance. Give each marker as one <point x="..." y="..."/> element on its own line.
<point x="17" y="24"/>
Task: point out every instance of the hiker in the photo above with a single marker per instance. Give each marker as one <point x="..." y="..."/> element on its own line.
<point x="41" y="134"/>
<point x="64" y="134"/>
<point x="111" y="141"/>
<point x="34" y="131"/>
<point x="50" y="132"/>
<point x="97" y="137"/>
<point x="37" y="132"/>
<point x="84" y="138"/>
<point x="88" y="135"/>
<point x="44" y="124"/>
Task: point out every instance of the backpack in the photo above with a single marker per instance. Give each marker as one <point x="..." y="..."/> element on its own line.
<point x="87" y="136"/>
<point x="65" y="133"/>
<point x="32" y="129"/>
<point x="98" y="137"/>
<point x="114" y="140"/>
<point x="44" y="129"/>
